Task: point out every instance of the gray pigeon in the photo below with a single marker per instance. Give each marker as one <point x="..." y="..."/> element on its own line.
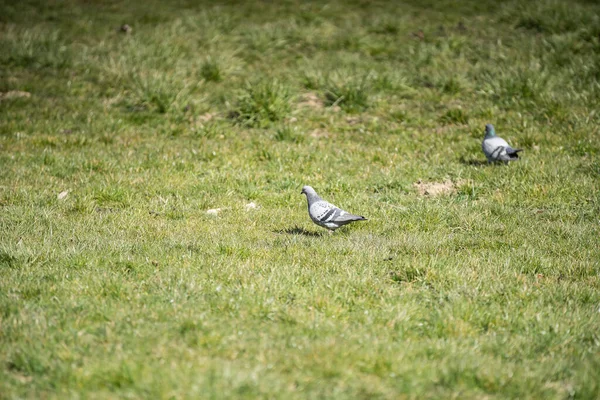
<point x="326" y="214"/>
<point x="495" y="148"/>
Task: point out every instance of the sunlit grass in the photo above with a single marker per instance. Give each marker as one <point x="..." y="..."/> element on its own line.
<point x="116" y="281"/>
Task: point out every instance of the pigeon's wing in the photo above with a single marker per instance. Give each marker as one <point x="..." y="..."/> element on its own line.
<point x="494" y="147"/>
<point x="506" y="153"/>
<point x="345" y="217"/>
<point x="325" y="212"/>
<point x="322" y="211"/>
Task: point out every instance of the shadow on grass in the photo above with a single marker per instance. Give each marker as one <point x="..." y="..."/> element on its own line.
<point x="299" y="231"/>
<point x="475" y="163"/>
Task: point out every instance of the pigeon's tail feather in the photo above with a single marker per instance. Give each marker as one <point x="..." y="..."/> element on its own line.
<point x="512" y="153"/>
<point x="351" y="217"/>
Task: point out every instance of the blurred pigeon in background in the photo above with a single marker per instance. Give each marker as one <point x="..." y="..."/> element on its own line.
<point x="326" y="214"/>
<point x="495" y="148"/>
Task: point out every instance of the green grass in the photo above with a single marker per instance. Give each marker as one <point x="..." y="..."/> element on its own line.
<point x="127" y="287"/>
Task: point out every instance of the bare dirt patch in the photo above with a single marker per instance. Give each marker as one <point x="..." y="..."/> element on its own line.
<point x="311" y="100"/>
<point x="320" y="133"/>
<point x="14" y="94"/>
<point x="435" y="188"/>
<point x="201" y="120"/>
<point x="353" y="120"/>
<point x="206" y="117"/>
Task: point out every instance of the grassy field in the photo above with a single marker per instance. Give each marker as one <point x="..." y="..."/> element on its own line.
<point x="468" y="280"/>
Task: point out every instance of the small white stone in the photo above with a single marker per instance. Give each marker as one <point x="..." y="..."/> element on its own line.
<point x="251" y="206"/>
<point x="63" y="195"/>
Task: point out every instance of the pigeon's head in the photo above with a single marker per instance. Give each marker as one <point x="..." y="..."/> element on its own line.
<point x="307" y="190"/>
<point x="489" y="130"/>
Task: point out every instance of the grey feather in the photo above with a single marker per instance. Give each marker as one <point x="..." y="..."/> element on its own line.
<point x="326" y="214"/>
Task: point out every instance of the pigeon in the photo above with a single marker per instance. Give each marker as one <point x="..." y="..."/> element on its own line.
<point x="496" y="149"/>
<point x="326" y="214"/>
